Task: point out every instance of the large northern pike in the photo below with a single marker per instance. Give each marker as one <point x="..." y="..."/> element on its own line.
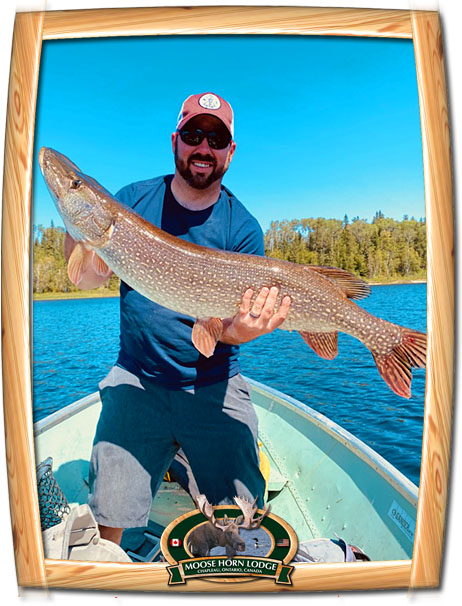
<point x="208" y="284"/>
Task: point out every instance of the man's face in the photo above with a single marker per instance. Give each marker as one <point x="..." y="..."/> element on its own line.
<point x="201" y="165"/>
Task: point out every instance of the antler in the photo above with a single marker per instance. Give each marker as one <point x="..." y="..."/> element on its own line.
<point x="208" y="511"/>
<point x="205" y="508"/>
<point x="249" y="509"/>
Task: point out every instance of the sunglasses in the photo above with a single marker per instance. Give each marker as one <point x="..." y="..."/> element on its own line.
<point x="214" y="139"/>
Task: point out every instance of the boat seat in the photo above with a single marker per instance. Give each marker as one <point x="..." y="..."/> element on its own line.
<point x="143" y="544"/>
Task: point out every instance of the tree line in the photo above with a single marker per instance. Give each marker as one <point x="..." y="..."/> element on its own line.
<point x="50" y="265"/>
<point x="384" y="249"/>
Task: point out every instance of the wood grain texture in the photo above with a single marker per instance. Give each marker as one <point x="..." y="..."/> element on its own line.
<point x="154" y="577"/>
<point x="227" y="20"/>
<point x="15" y="299"/>
<point x="32" y="568"/>
<point x="440" y="300"/>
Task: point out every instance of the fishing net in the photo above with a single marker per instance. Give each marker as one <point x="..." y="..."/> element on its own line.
<point x="52" y="502"/>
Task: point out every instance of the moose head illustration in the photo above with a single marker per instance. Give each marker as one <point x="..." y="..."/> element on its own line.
<point x="223" y="532"/>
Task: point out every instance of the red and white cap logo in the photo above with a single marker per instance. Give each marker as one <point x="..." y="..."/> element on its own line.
<point x="206" y="103"/>
<point x="210" y="101"/>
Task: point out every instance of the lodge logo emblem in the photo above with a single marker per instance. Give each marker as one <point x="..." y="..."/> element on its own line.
<point x="228" y="541"/>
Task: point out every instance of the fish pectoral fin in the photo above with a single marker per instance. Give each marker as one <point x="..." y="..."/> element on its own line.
<point x="100" y="267"/>
<point x="352" y="286"/>
<point x="205" y="335"/>
<point x="78" y="262"/>
<point x="325" y="344"/>
<point x="82" y="260"/>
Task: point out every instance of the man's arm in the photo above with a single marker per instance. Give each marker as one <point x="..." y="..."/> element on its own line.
<point x="90" y="278"/>
<point x="259" y="319"/>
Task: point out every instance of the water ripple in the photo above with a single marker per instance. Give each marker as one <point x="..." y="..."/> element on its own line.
<point x="75" y="343"/>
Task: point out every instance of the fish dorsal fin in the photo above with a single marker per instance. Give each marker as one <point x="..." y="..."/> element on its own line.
<point x="322" y="343"/>
<point x="352" y="286"/>
<point x="205" y="335"/>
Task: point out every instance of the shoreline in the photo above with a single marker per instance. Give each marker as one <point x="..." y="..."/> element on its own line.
<point x="84" y="294"/>
<point x="89" y="294"/>
<point x="395" y="282"/>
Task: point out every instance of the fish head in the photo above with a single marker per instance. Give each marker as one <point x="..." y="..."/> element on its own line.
<point x="85" y="206"/>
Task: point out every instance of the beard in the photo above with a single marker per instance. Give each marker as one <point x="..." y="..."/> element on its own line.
<point x="198" y="181"/>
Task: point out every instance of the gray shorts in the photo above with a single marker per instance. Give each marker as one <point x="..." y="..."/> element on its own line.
<point x="141" y="428"/>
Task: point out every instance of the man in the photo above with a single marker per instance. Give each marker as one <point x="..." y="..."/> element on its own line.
<point x="162" y="394"/>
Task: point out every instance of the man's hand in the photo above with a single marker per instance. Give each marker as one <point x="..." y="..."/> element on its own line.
<point x="255" y="320"/>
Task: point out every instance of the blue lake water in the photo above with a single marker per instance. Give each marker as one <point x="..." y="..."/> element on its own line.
<point x="75" y="343"/>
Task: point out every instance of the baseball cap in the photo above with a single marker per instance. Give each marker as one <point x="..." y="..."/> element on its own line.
<point x="206" y="103"/>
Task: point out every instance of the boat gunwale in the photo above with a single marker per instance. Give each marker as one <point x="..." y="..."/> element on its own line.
<point x="367" y="454"/>
<point x="384" y="468"/>
<point x="65" y="413"/>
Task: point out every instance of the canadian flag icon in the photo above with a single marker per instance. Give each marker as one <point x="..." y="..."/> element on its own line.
<point x="175" y="542"/>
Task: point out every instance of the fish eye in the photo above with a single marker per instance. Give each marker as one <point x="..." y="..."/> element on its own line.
<point x="76" y="183"/>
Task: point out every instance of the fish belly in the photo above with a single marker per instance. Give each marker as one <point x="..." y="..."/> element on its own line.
<point x="211" y="284"/>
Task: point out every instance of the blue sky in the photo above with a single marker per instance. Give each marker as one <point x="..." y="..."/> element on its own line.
<point x="323" y="126"/>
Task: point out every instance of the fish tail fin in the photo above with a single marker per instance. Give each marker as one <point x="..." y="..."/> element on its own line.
<point x="396" y="366"/>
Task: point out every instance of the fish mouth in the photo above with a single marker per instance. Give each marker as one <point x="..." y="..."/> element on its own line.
<point x="52" y="159"/>
<point x="44" y="158"/>
<point x="57" y="171"/>
<point x="51" y="171"/>
<point x="42" y="153"/>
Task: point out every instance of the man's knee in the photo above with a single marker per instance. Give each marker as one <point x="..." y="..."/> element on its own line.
<point x="120" y="488"/>
<point x="111" y="534"/>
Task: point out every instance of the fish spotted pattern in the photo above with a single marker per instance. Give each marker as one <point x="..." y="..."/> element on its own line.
<point x="208" y="284"/>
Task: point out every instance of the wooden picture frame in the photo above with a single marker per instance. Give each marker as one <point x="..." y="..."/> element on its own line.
<point x="423" y="27"/>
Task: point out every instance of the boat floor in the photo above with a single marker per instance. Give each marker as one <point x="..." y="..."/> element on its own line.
<point x="323" y="481"/>
<point x="172" y="501"/>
